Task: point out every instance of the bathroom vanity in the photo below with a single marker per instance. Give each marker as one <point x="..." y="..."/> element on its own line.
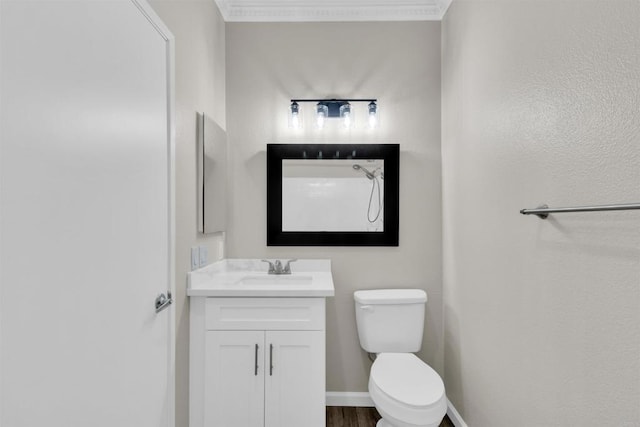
<point x="257" y="344"/>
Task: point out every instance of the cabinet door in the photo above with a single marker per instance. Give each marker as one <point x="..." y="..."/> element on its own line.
<point x="234" y="379"/>
<point x="295" y="379"/>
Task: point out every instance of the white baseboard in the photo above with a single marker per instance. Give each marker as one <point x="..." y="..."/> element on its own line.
<point x="348" y="398"/>
<point x="353" y="398"/>
<point x="454" y="415"/>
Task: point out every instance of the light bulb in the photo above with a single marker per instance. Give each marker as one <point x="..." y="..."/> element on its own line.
<point x="373" y="114"/>
<point x="320" y="120"/>
<point x="295" y="115"/>
<point x="345" y="113"/>
<point x="322" y="111"/>
<point x="347" y="120"/>
<point x="373" y="121"/>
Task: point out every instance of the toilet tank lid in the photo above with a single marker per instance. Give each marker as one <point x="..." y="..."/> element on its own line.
<point x="391" y="296"/>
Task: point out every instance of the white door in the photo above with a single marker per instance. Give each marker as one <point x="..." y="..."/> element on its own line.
<point x="234" y="383"/>
<point x="295" y="379"/>
<point x="85" y="215"/>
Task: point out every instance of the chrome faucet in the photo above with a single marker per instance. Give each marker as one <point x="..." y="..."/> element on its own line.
<point x="276" y="267"/>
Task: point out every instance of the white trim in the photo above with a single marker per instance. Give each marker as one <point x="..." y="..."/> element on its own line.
<point x="454" y="415"/>
<point x="332" y="10"/>
<point x="444" y="6"/>
<point x="153" y="18"/>
<point x="348" y="398"/>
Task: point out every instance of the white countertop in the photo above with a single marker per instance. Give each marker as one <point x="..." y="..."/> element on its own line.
<point x="249" y="278"/>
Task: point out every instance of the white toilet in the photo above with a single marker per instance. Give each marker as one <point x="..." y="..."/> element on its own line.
<point x="406" y="391"/>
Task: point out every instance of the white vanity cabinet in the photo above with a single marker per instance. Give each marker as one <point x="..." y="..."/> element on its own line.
<point x="257" y="362"/>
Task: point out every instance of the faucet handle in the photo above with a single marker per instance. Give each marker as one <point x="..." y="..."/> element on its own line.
<point x="272" y="268"/>
<point x="287" y="267"/>
<point x="278" y="268"/>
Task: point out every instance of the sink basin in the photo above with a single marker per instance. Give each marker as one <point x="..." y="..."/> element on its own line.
<point x="282" y="279"/>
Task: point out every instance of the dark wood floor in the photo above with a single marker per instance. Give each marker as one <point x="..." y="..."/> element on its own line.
<point x="343" y="416"/>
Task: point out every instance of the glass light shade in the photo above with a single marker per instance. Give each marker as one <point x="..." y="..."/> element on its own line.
<point x="295" y="120"/>
<point x="373" y="115"/>
<point x="345" y="114"/>
<point x="373" y="120"/>
<point x="322" y="112"/>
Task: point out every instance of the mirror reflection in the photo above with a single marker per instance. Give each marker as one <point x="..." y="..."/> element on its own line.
<point x="333" y="195"/>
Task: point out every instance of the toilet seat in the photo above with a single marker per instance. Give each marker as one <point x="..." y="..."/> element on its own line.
<point x="406" y="389"/>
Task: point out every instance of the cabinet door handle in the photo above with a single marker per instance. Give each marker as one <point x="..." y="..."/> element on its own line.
<point x="270" y="359"/>
<point x="256" y="367"/>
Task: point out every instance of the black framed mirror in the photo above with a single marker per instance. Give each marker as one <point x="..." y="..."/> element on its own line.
<point x="333" y="194"/>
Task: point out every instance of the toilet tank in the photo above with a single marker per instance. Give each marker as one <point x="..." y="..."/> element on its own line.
<point x="390" y="320"/>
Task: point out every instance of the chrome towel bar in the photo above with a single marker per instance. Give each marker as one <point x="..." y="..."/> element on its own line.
<point x="544" y="210"/>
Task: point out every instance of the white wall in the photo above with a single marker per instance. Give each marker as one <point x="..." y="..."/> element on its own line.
<point x="199" y="33"/>
<point x="398" y="63"/>
<point x="541" y="104"/>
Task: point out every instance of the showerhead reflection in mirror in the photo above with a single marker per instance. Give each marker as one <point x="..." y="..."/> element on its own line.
<point x="375" y="184"/>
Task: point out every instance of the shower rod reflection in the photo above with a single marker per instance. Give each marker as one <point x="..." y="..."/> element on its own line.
<point x="544" y="210"/>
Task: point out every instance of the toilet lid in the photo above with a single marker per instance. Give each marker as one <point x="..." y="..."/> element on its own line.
<point x="407" y="379"/>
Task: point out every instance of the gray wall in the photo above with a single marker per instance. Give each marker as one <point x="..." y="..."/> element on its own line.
<point x="199" y="33"/>
<point x="398" y="63"/>
<point x="541" y="104"/>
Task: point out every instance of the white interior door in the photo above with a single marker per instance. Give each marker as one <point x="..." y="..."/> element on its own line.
<point x="85" y="215"/>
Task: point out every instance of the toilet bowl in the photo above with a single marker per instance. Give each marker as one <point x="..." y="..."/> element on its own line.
<point x="406" y="391"/>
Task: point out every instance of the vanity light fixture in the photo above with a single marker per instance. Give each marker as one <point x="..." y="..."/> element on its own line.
<point x="334" y="108"/>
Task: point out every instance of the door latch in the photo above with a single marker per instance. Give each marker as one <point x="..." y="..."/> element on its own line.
<point x="163" y="301"/>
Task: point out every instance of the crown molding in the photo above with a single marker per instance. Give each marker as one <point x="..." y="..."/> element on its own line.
<point x="332" y="10"/>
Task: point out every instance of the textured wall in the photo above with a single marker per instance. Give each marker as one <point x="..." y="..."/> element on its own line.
<point x="541" y="103"/>
<point x="199" y="35"/>
<point x="398" y="63"/>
